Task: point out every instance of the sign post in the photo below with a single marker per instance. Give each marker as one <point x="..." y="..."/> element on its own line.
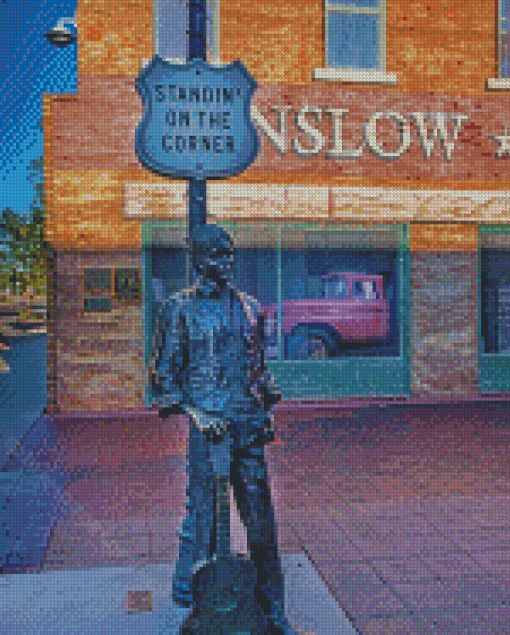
<point x="196" y="122"/>
<point x="197" y="49"/>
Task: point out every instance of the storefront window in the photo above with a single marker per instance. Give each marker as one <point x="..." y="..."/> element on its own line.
<point x="97" y="280"/>
<point x="332" y="294"/>
<point x="256" y="272"/>
<point x="495" y="300"/>
<point x="338" y="299"/>
<point x="494" y="308"/>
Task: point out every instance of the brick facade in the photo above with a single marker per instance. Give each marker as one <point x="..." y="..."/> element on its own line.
<point x="98" y="357"/>
<point x="444" y="320"/>
<point x="97" y="192"/>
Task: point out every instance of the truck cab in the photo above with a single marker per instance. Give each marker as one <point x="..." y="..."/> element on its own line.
<point x="351" y="309"/>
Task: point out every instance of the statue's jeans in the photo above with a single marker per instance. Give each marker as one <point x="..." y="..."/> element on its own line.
<point x="249" y="481"/>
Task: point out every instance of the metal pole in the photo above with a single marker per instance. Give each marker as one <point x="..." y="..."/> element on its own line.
<point x="197" y="188"/>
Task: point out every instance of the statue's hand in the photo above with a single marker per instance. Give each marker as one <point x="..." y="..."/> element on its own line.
<point x="175" y="409"/>
<point x="213" y="427"/>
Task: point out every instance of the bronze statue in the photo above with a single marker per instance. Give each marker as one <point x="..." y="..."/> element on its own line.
<point x="208" y="362"/>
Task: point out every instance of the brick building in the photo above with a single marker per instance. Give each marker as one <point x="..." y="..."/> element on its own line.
<point x="383" y="152"/>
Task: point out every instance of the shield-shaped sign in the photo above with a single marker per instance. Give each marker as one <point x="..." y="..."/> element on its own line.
<point x="196" y="121"/>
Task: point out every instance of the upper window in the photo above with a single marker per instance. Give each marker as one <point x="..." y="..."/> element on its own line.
<point x="503" y="12"/>
<point x="171" y="30"/>
<point x="355" y="34"/>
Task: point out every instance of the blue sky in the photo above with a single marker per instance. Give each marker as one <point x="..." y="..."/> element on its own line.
<point x="29" y="66"/>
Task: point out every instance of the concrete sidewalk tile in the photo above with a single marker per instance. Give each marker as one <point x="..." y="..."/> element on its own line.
<point x="364" y="570"/>
<point x="392" y="626"/>
<point x="496" y="619"/>
<point x="325" y="540"/>
<point x="444" y="620"/>
<point x="309" y="604"/>
<point x="402" y="570"/>
<point x="164" y="544"/>
<point x="389" y="546"/>
<point x="476" y="591"/>
<point x="423" y="595"/>
<point x="503" y="583"/>
<point x="488" y="621"/>
<point x="421" y="544"/>
<point x="358" y="590"/>
<point x="478" y="539"/>
<point x="124" y="549"/>
<point x="376" y="546"/>
<point x="361" y="602"/>
<point x="406" y="524"/>
<point x="495" y="561"/>
<point x="409" y="508"/>
<point x="288" y="541"/>
<point x="469" y="505"/>
<point x="451" y="565"/>
<point x="461" y="593"/>
<point x="449" y="523"/>
<point x="498" y="516"/>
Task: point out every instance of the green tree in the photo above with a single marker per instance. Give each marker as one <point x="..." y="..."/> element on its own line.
<point x="11" y="254"/>
<point x="36" y="243"/>
<point x="23" y="256"/>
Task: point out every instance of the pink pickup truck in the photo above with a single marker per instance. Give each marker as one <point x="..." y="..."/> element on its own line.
<point x="352" y="309"/>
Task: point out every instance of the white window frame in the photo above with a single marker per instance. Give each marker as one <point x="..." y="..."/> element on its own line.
<point x="216" y="57"/>
<point x="500" y="82"/>
<point x="359" y="75"/>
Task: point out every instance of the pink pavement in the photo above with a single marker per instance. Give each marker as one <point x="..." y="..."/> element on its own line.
<point x="404" y="511"/>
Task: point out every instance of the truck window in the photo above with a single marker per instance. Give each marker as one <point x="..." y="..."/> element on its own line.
<point x="365" y="289"/>
<point x="335" y="289"/>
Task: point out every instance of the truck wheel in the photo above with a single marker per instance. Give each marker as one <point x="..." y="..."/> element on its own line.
<point x="309" y="343"/>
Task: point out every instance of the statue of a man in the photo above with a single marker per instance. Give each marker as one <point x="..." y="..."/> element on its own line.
<point x="208" y="361"/>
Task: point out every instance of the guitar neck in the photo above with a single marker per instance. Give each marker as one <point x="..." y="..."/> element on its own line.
<point x="222" y="515"/>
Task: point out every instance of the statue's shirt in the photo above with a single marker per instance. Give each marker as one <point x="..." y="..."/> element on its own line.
<point x="218" y="358"/>
<point x="203" y="358"/>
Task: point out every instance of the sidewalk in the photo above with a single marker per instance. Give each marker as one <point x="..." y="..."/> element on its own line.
<point x="403" y="511"/>
<point x="101" y="600"/>
<point x="406" y="515"/>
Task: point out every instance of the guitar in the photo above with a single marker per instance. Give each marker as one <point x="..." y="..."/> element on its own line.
<point x="224" y="587"/>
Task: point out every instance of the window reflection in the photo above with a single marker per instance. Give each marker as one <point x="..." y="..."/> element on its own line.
<point x="335" y="288"/>
<point x="338" y="289"/>
<point x="495" y="291"/>
<point x="339" y="295"/>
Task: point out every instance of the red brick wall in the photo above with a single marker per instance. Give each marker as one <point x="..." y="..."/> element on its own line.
<point x="98" y="361"/>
